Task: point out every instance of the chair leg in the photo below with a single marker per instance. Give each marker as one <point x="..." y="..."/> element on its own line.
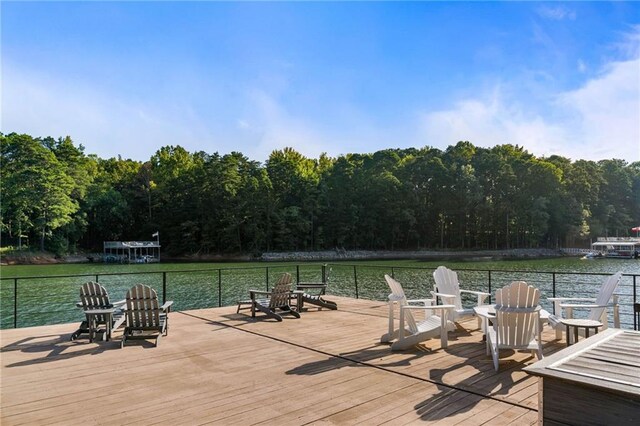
<point x="391" y="319"/>
<point x="294" y="313"/>
<point x="559" y="332"/>
<point x="444" y="333"/>
<point x="268" y="312"/>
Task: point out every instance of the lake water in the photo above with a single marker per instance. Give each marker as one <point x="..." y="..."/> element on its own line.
<point x="200" y="285"/>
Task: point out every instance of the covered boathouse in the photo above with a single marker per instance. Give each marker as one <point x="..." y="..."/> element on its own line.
<point x="131" y="251"/>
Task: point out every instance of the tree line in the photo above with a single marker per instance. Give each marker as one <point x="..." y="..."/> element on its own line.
<point x="57" y="198"/>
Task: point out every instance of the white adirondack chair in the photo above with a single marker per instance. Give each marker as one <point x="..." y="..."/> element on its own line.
<point x="448" y="289"/>
<point x="397" y="296"/>
<point x="411" y="332"/>
<point x="517" y="321"/>
<point x="598" y="306"/>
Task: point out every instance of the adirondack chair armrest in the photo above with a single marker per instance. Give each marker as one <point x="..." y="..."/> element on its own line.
<point x="582" y="305"/>
<point x="579" y="299"/>
<point x="119" y="303"/>
<point x="167" y="306"/>
<point x="435" y="294"/>
<point x="254" y="293"/>
<point x="433" y="308"/>
<point x="477" y="293"/>
<point x="481" y="295"/>
<point x="519" y="310"/>
<point x="421" y="302"/>
<point x="440" y="307"/>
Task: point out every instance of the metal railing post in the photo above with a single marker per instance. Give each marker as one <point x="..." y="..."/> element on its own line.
<point x="553" y="292"/>
<point x="489" y="286"/>
<point x="97" y="276"/>
<point x="355" y="279"/>
<point x="324" y="273"/>
<point x="164" y="287"/>
<point x="220" y="288"/>
<point x="393" y="273"/>
<point x="297" y="274"/>
<point x="635" y="300"/>
<point x="267" y="277"/>
<point x="15" y="303"/>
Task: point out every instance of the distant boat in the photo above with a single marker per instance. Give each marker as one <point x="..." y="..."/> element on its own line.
<point x="593" y="255"/>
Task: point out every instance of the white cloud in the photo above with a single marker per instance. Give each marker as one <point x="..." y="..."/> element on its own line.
<point x="488" y="122"/>
<point x="599" y="120"/>
<point x="274" y="127"/>
<point x="630" y="43"/>
<point x="557" y="13"/>
<point x="608" y="112"/>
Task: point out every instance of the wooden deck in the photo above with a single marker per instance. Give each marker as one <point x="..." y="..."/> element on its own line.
<point x="219" y="367"/>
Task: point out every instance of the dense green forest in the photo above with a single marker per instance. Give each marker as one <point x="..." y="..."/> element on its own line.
<point x="55" y="197"/>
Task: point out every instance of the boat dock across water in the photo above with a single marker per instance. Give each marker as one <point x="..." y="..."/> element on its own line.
<point x="616" y="247"/>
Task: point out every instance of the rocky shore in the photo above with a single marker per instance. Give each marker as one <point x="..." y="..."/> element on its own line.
<point x="41" y="258"/>
<point x="334" y="255"/>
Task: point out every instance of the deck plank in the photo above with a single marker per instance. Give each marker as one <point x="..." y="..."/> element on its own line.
<point x="219" y="367"/>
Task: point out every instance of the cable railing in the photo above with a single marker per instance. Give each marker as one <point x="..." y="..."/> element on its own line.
<point x="43" y="300"/>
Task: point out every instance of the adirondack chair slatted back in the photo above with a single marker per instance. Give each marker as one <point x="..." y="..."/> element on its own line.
<point x="397" y="292"/>
<point x="142" y="307"/>
<point x="604" y="295"/>
<point x="281" y="293"/>
<point x="94" y="296"/>
<point x="398" y="295"/>
<point x="447" y="283"/>
<point x="516" y="314"/>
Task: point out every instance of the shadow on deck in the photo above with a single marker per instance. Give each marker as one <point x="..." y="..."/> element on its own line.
<point x="221" y="367"/>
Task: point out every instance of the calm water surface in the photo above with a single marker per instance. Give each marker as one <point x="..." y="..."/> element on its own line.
<point x="51" y="300"/>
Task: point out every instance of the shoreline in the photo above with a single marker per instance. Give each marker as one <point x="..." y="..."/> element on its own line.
<point x="40" y="258"/>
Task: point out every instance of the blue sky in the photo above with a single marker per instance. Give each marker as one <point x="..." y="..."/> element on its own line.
<point x="125" y="78"/>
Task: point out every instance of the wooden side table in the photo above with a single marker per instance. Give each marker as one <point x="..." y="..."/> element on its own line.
<point x="595" y="381"/>
<point x="93" y="316"/>
<point x="576" y="324"/>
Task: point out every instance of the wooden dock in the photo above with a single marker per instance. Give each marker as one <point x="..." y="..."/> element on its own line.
<point x="219" y="367"/>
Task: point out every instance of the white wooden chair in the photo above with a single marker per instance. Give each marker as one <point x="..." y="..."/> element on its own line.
<point x="598" y="306"/>
<point x="411" y="332"/>
<point x="447" y="288"/>
<point x="146" y="319"/>
<point x="95" y="296"/>
<point x="517" y="322"/>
